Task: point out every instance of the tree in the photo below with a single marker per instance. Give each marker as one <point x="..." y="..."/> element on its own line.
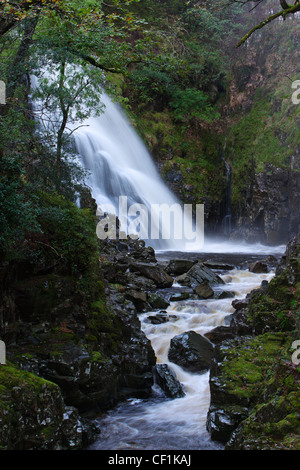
<point x="285" y="11"/>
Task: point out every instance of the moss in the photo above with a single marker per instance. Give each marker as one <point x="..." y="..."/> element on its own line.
<point x="245" y="368"/>
<point x="11" y="376"/>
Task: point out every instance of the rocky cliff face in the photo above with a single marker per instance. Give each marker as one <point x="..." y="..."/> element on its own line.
<point x="257" y="135"/>
<point x="254" y="381"/>
<point x="271" y="216"/>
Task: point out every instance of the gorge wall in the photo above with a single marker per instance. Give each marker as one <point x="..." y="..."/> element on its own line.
<point x="256" y="134"/>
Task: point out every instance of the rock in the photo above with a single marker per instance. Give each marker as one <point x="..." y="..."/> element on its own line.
<point x="204" y="291"/>
<point x="238" y="304"/>
<point x="219" y="334"/>
<point x="258" y="267"/>
<point x="197" y="275"/>
<point x="158" y="318"/>
<point x="219" y="266"/>
<point x="154" y="272"/>
<point x="177" y="267"/>
<point x="157" y="301"/>
<point x="167" y="380"/>
<point x="223" y="294"/>
<point x="179" y="296"/>
<point x="43" y="420"/>
<point x="222" y="421"/>
<point x="138" y="298"/>
<point x="191" y="351"/>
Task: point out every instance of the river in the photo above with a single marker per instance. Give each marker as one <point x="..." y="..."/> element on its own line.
<point x="160" y="423"/>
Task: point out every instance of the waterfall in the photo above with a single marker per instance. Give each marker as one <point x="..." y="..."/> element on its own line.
<point x="120" y="166"/>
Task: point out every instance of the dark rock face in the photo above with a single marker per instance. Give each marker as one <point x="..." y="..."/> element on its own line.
<point x="167" y="380"/>
<point x="254" y="387"/>
<point x="191" y="351"/>
<point x="273" y="208"/>
<point x="90" y="346"/>
<point x="219" y="334"/>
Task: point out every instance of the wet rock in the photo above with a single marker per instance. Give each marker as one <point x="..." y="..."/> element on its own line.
<point x="167" y="380"/>
<point x="157" y="301"/>
<point x="199" y="274"/>
<point x="161" y="317"/>
<point x="238" y="304"/>
<point x="221" y="422"/>
<point x="180" y="296"/>
<point x="218" y="266"/>
<point x="191" y="351"/>
<point x="219" y="334"/>
<point x="223" y="294"/>
<point x="258" y="267"/>
<point x="37" y="406"/>
<point x="204" y="291"/>
<point x="138" y="298"/>
<point x="154" y="272"/>
<point x="176" y="267"/>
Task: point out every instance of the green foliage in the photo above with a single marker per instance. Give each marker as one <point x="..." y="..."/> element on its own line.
<point x="19" y="205"/>
<point x="68" y="235"/>
<point x="192" y="104"/>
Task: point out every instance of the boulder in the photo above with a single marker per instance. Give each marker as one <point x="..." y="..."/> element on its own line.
<point x="204" y="291"/>
<point x="138" y="298"/>
<point x="154" y="272"/>
<point x="179" y="296"/>
<point x="238" y="304"/>
<point x="258" y="267"/>
<point x="199" y="274"/>
<point x="161" y="317"/>
<point x="191" y="351"/>
<point x="166" y="379"/>
<point x="176" y="267"/>
<point x="219" y="334"/>
<point x="219" y="266"/>
<point x="157" y="301"/>
<point x="221" y="422"/>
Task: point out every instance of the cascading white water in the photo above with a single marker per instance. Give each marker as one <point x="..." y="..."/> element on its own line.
<point x="120" y="165"/>
<point x="160" y="423"/>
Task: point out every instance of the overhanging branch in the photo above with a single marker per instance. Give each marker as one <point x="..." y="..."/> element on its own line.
<point x="283" y="13"/>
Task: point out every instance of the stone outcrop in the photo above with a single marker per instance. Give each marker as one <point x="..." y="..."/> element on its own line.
<point x="33" y="415"/>
<point x="272" y="215"/>
<point x="168" y="382"/>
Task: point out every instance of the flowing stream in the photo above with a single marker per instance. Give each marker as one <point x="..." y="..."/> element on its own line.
<point x="120" y="165"/>
<point x="161" y="423"/>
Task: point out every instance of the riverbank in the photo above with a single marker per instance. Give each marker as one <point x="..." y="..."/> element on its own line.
<point x="126" y="335"/>
<point x="177" y="422"/>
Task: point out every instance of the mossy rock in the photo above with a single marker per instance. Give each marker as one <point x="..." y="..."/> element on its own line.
<point x="32" y="413"/>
